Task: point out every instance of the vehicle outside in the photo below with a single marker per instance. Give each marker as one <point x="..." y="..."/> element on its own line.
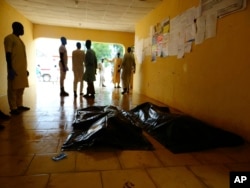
<point x="47" y="69"/>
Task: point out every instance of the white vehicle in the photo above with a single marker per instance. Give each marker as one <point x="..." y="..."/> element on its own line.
<point x="47" y="69"/>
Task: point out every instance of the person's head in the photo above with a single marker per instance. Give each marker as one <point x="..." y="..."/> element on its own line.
<point x="17" y="28"/>
<point x="88" y="44"/>
<point x="63" y="40"/>
<point x="118" y="54"/>
<point x="78" y="45"/>
<point x="129" y="49"/>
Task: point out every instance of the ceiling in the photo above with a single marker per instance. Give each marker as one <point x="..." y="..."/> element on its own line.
<point x="115" y="15"/>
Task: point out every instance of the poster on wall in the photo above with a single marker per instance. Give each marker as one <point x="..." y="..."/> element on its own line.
<point x="182" y="33"/>
<point x="156" y="39"/>
<point x="146" y="46"/>
<point x="138" y="50"/>
<point x="211" y="25"/>
<point x="175" y="36"/>
<point x="154" y="47"/>
<point x="222" y="7"/>
<point x="164" y="43"/>
<point x="201" y="29"/>
<point x="160" y="39"/>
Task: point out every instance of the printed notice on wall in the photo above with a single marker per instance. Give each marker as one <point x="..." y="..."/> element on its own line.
<point x="222" y="7"/>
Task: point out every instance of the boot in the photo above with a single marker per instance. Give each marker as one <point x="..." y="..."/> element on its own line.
<point x="63" y="93"/>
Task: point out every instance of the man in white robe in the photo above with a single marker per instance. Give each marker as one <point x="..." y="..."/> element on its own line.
<point x="128" y="67"/>
<point x="17" y="68"/>
<point x="78" y="57"/>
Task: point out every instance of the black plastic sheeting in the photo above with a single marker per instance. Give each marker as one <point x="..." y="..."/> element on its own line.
<point x="106" y="126"/>
<point x="181" y="133"/>
<point x="110" y="127"/>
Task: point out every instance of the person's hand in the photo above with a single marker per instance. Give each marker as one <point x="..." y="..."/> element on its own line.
<point x="11" y="74"/>
<point x="65" y="69"/>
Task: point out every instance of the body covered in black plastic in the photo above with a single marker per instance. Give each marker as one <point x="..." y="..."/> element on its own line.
<point x="106" y="126"/>
<point x="109" y="126"/>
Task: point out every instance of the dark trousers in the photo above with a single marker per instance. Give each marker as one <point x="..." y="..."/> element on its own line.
<point x="90" y="88"/>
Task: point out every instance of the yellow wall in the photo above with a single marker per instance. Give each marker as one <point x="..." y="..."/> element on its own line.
<point x="212" y="82"/>
<point x="124" y="38"/>
<point x="7" y="16"/>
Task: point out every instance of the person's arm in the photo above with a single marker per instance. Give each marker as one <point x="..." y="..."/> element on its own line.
<point x="11" y="71"/>
<point x="108" y="60"/>
<point x="134" y="66"/>
<point x="61" y="60"/>
<point x="95" y="63"/>
<point x="8" y="44"/>
<point x="123" y="61"/>
<point x="72" y="62"/>
<point x="8" y="60"/>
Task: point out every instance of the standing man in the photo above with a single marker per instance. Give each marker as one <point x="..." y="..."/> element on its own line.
<point x="90" y="70"/>
<point x="128" y="65"/>
<point x="117" y="69"/>
<point x="17" y="68"/>
<point x="102" y="73"/>
<point x="78" y="57"/>
<point x="63" y="64"/>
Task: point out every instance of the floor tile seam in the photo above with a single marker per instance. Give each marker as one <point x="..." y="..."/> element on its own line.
<point x="39" y="174"/>
<point x="156" y="156"/>
<point x="147" y="172"/>
<point x="196" y="176"/>
<point x="48" y="180"/>
<point x="218" y="163"/>
<point x="17" y="155"/>
<point x="75" y="156"/>
<point x="178" y="165"/>
<point x="211" y="163"/>
<point x="234" y="159"/>
<point x="196" y="158"/>
<point x="28" y="166"/>
<point x="123" y="169"/>
<point x="96" y="170"/>
<point x="236" y="163"/>
<point x="59" y="141"/>
<point x="118" y="159"/>
<point x="101" y="178"/>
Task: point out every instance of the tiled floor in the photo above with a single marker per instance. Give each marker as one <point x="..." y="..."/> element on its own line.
<point x="30" y="140"/>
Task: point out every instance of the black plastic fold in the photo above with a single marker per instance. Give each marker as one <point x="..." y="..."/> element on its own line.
<point x="105" y="126"/>
<point x="110" y="127"/>
<point x="181" y="133"/>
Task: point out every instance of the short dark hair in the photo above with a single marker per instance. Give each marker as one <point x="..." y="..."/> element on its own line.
<point x="78" y="44"/>
<point x="16" y="25"/>
<point x="129" y="49"/>
<point x="88" y="43"/>
<point x="63" y="38"/>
